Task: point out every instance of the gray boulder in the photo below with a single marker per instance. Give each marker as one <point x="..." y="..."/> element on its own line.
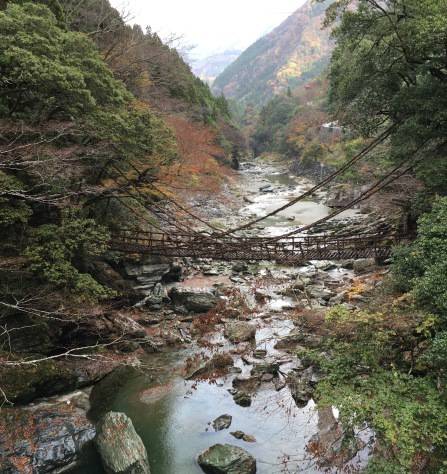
<point x="240" y="331"/>
<point x="227" y="459"/>
<point x="120" y="447"/>
<point x="47" y="437"/>
<point x="193" y="301"/>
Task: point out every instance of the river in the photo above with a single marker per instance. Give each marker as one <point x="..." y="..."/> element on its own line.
<point x="173" y="415"/>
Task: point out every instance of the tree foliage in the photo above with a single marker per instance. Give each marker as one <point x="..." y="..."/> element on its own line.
<point x="57" y="252"/>
<point x="422" y="266"/>
<point x="47" y="72"/>
<point x="273" y="119"/>
<point x="388" y="67"/>
<point x="73" y="137"/>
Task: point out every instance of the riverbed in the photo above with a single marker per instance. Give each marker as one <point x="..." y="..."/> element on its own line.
<point x="173" y="414"/>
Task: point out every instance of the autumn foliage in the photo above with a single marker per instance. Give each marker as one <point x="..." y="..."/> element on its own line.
<point x="201" y="164"/>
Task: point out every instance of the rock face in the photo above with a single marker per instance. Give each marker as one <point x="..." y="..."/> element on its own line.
<point x="120" y="447"/>
<point x="193" y="301"/>
<point x="240" y="332"/>
<point x="227" y="459"/>
<point x="335" y="447"/>
<point x="45" y="437"/>
<point x="146" y="276"/>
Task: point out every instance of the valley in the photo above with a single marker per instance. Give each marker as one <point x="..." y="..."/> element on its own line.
<point x="236" y="269"/>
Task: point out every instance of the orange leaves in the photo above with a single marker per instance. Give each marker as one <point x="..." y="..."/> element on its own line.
<point x="198" y="168"/>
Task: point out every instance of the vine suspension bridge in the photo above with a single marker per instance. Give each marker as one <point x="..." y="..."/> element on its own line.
<point x="293" y="248"/>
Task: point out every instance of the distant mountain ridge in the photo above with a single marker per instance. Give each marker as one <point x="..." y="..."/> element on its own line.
<point x="295" y="52"/>
<point x="210" y="67"/>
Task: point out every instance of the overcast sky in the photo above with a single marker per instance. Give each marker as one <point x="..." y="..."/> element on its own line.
<point x="209" y="25"/>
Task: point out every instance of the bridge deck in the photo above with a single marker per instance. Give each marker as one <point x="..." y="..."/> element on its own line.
<point x="293" y="250"/>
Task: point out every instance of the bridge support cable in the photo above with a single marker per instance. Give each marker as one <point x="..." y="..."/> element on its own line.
<point x="142" y="176"/>
<point x="389" y="178"/>
<point x="218" y="234"/>
<point x="380" y="139"/>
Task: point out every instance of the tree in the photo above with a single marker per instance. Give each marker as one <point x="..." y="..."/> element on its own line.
<point x="270" y="129"/>
<point x="422" y="266"/>
<point x="47" y="72"/>
<point x="389" y="67"/>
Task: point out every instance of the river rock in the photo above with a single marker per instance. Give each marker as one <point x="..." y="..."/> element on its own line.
<point x="243" y="399"/>
<point x="301" y="282"/>
<point x="319" y="292"/>
<point x="222" y="423"/>
<point x="246" y="384"/>
<point x="120" y="447"/>
<point x="301" y="389"/>
<point x="240" y="331"/>
<point x="364" y="265"/>
<point x="339" y="298"/>
<point x="259" y="353"/>
<point x="239" y="267"/>
<point x="244" y="437"/>
<point x="193" y="301"/>
<point x="45" y="437"/>
<point x="267" y="378"/>
<point x="227" y="459"/>
<point x="291" y="340"/>
<point x="267" y="367"/>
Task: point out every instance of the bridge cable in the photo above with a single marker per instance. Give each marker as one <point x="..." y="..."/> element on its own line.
<point x="176" y="204"/>
<point x="218" y="233"/>
<point x="170" y="221"/>
<point x="318" y="186"/>
<point x="378" y="186"/>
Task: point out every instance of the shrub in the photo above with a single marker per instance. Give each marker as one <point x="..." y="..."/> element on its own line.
<point x="422" y="266"/>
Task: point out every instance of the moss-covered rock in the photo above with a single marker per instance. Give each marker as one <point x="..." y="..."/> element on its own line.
<point x="23" y="384"/>
<point x="227" y="459"/>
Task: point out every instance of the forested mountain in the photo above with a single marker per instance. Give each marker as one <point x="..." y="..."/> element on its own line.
<point x="295" y="52"/>
<point x="210" y="67"/>
<point x="93" y="112"/>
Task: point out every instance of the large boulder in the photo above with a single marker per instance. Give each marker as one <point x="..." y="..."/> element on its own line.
<point x="227" y="459"/>
<point x="120" y="447"/>
<point x="193" y="301"/>
<point x="240" y="331"/>
<point x="47" y="437"/>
